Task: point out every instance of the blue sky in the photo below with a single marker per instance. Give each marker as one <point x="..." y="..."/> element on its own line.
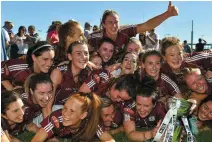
<point x="41" y="14"/>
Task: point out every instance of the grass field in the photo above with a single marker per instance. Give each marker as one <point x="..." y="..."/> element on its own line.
<point x="204" y="136"/>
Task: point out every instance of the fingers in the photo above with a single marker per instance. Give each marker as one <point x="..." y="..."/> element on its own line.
<point x="170" y="3"/>
<point x="159" y="122"/>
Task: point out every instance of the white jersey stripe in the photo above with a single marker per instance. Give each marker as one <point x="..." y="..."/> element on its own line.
<point x="171" y="82"/>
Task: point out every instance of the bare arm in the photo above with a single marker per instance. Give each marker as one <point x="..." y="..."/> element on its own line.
<point x="156" y="21"/>
<point x="56" y="78"/>
<point x="32" y="127"/>
<point x="84" y="88"/>
<point x="40" y="136"/>
<point x="117" y="130"/>
<point x="132" y="134"/>
<point x="106" y="137"/>
<point x="7" y="84"/>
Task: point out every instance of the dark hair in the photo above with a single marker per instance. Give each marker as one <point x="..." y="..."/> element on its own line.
<point x="34" y="79"/>
<point x="167" y="42"/>
<point x="151" y="52"/>
<point x="147" y="88"/>
<point x="53" y="26"/>
<point x="108" y="40"/>
<point x="79" y="42"/>
<point x="207" y="122"/>
<point x="104" y="16"/>
<point x="93" y="55"/>
<point x="106" y="102"/>
<point x="38" y="49"/>
<point x="122" y="59"/>
<point x="7" y="98"/>
<point x="19" y="30"/>
<point x="126" y="83"/>
<point x="31" y="27"/>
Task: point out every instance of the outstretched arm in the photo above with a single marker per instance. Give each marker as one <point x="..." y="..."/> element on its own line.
<point x="156" y="21"/>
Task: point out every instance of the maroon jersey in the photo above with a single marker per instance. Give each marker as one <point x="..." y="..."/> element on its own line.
<point x="117" y="121"/>
<point x="31" y="110"/>
<point x="122" y="38"/>
<point x="54" y="127"/>
<point x="201" y="59"/>
<point x="16" y="71"/>
<point x="157" y="113"/>
<point x="18" y="129"/>
<point x="67" y="86"/>
<point x="177" y="78"/>
<point x="98" y="81"/>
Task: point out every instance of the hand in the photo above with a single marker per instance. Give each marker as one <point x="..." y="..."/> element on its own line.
<point x="208" y="74"/>
<point x="154" y="130"/>
<point x="53" y="140"/>
<point x="194" y="105"/>
<point x="172" y="10"/>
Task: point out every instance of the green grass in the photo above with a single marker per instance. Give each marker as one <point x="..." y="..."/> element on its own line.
<point x="204" y="136"/>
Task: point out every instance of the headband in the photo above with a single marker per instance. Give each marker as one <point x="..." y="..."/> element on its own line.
<point x="45" y="45"/>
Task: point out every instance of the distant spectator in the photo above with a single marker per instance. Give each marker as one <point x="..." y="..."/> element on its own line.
<point x="19" y="40"/>
<point x="95" y="28"/>
<point x="52" y="36"/>
<point x="87" y="29"/>
<point x="187" y="48"/>
<point x="8" y="25"/>
<point x="200" y="45"/>
<point x="5" y="39"/>
<point x="152" y="40"/>
<point x="32" y="38"/>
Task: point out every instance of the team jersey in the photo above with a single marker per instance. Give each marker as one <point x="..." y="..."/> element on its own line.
<point x="54" y="127"/>
<point x="117" y="122"/>
<point x="98" y="81"/>
<point x="122" y="38"/>
<point x="157" y="113"/>
<point x="16" y="71"/>
<point x="67" y="86"/>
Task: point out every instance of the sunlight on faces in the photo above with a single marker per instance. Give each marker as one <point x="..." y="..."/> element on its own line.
<point x="118" y="96"/>
<point x="152" y="66"/>
<point x="205" y="111"/>
<point x="129" y="63"/>
<point x="107" y="115"/>
<point x="144" y="106"/>
<point x="196" y="82"/>
<point x="111" y="25"/>
<point x="133" y="47"/>
<point x="15" y="112"/>
<point x="72" y="113"/>
<point x="97" y="61"/>
<point x="174" y="57"/>
<point x="42" y="94"/>
<point x="78" y="35"/>
<point x="44" y="62"/>
<point x="79" y="56"/>
<point x="106" y="51"/>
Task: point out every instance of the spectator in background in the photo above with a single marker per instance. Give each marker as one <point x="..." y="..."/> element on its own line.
<point x="19" y="40"/>
<point x="32" y="38"/>
<point x="87" y="29"/>
<point x="52" y="36"/>
<point x="152" y="40"/>
<point x="187" y="48"/>
<point x="200" y="45"/>
<point x="8" y="25"/>
<point x="95" y="28"/>
<point x="5" y="39"/>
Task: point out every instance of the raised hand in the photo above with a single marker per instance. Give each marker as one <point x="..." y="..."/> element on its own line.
<point x="172" y="10"/>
